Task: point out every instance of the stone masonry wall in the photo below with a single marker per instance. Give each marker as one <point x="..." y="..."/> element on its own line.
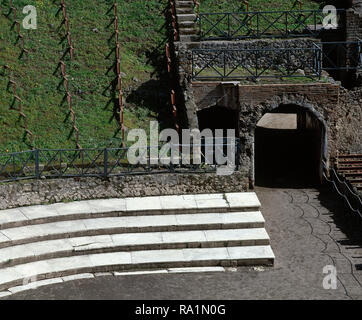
<point x="353" y="25"/>
<point x="253" y="101"/>
<point x="184" y="61"/>
<point x="354" y="32"/>
<point x="338" y="109"/>
<point x="350" y="121"/>
<point x="61" y="190"/>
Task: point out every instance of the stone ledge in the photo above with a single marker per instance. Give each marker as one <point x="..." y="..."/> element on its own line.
<point x="19" y="194"/>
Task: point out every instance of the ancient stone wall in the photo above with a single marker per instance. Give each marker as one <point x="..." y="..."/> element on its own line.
<point x="349" y="122"/>
<point x="253" y="101"/>
<point x="339" y="110"/>
<point x="58" y="190"/>
<point x="354" y="32"/>
<point x="353" y="25"/>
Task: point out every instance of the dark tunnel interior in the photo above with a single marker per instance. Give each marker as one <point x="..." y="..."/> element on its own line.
<point x="218" y="118"/>
<point x="286" y="154"/>
<point x="289" y="157"/>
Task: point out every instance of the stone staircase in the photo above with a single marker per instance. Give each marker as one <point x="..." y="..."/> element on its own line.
<point x="50" y="243"/>
<point x="187" y="21"/>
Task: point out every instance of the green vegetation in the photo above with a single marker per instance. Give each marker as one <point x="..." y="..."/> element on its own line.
<point x="142" y="36"/>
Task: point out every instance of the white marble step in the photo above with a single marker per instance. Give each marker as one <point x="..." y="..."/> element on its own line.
<point x="129" y="224"/>
<point x="131" y="242"/>
<point x="244" y="201"/>
<point x="119" y="261"/>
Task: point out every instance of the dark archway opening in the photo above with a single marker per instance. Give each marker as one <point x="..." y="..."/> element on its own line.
<point x="289" y="144"/>
<point x="218" y="118"/>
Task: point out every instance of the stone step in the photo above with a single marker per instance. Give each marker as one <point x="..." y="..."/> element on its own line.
<point x="187" y="24"/>
<point x="183" y="4"/>
<point x="189" y="38"/>
<point x="186" y="17"/>
<point x="244" y="201"/>
<point x="190" y="31"/>
<point x="184" y="10"/>
<point x="37" y="251"/>
<point x="128" y="224"/>
<point x="120" y="261"/>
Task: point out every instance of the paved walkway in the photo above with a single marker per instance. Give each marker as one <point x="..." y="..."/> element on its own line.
<point x="309" y="229"/>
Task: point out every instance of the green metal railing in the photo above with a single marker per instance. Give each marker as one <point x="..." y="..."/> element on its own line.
<point x="263" y="24"/>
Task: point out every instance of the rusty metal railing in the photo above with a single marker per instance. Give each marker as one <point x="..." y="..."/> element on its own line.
<point x="119" y="74"/>
<point x="64" y="73"/>
<point x="174" y="20"/>
<point x="12" y="83"/>
<point x="173" y="93"/>
<point x="70" y="103"/>
<point x="67" y="26"/>
<point x="17" y="29"/>
<point x="19" y="101"/>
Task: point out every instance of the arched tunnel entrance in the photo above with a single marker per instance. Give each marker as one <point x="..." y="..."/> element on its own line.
<point x="289" y="144"/>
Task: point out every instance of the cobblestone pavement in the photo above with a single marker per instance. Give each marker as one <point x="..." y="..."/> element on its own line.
<point x="309" y="229"/>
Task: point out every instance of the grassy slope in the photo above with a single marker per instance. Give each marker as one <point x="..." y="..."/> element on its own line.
<point x="142" y="38"/>
<point x="47" y="113"/>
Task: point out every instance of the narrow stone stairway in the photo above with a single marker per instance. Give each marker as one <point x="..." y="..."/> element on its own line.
<point x="187" y="21"/>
